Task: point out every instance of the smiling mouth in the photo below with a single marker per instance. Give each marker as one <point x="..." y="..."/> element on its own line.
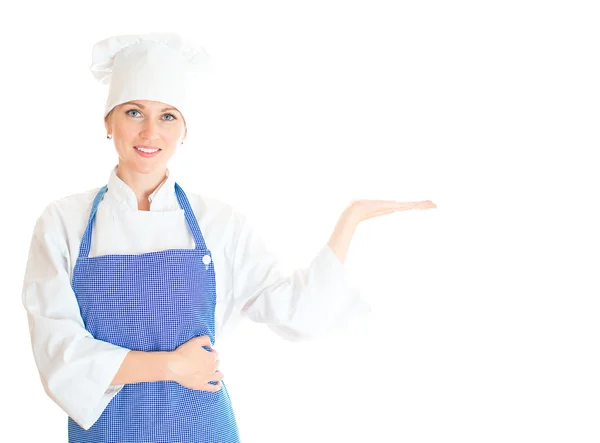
<point x="146" y="150"/>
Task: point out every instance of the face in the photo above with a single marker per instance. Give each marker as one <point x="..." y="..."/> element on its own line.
<point x="145" y="125"/>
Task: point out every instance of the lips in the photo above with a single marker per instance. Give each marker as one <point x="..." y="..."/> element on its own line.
<point x="147" y="148"/>
<point x="147" y="151"/>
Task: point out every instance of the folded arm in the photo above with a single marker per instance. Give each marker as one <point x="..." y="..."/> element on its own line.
<point x="76" y="370"/>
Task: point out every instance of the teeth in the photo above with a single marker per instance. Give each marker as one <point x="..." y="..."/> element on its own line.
<point x="149" y="151"/>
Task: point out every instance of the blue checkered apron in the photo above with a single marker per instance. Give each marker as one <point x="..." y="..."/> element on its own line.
<point x="153" y="302"/>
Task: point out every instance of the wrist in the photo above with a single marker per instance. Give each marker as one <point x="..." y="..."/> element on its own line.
<point x="169" y="363"/>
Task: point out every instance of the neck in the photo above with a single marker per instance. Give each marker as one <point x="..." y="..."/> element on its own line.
<point x="141" y="184"/>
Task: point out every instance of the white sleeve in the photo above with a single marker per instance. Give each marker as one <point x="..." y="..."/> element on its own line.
<point x="304" y="304"/>
<point x="75" y="369"/>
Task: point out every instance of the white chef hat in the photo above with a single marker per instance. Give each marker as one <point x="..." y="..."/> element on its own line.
<point x="156" y="66"/>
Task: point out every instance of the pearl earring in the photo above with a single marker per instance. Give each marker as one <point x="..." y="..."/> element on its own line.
<point x="109" y="136"/>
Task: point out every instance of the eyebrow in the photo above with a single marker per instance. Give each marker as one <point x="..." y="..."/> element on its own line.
<point x="143" y="107"/>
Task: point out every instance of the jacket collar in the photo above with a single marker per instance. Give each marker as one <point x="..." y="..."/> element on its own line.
<point x="162" y="199"/>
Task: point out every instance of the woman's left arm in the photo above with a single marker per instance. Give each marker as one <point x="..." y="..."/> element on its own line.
<point x="310" y="301"/>
<point x="360" y="210"/>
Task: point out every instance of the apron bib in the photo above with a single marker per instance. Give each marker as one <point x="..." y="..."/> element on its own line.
<point x="153" y="302"/>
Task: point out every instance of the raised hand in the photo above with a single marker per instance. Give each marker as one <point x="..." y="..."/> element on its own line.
<point x="360" y="210"/>
<point x="365" y="209"/>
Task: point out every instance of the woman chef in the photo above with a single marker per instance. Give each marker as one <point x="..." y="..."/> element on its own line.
<point x="128" y="286"/>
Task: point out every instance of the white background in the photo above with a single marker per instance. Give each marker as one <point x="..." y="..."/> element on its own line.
<point x="485" y="323"/>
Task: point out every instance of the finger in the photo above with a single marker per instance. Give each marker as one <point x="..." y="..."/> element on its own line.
<point x="389" y="211"/>
<point x="424" y="205"/>
<point x="393" y="206"/>
<point x="410" y="205"/>
<point x="381" y="212"/>
<point x="371" y="209"/>
<point x="395" y="203"/>
<point x="378" y="202"/>
<point x="217" y="364"/>
<point x="218" y="375"/>
<point x="389" y="203"/>
<point x="382" y="204"/>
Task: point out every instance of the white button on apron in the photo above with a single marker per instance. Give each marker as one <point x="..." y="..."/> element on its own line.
<point x="206" y="259"/>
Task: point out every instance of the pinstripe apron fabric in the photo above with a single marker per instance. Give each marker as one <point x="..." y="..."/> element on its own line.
<point x="153" y="302"/>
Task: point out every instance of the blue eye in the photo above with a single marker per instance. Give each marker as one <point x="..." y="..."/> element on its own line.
<point x="167" y="117"/>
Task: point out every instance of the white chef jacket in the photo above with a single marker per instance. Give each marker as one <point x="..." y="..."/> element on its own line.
<point x="76" y="369"/>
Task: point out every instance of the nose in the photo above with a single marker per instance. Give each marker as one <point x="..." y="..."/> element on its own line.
<point x="149" y="130"/>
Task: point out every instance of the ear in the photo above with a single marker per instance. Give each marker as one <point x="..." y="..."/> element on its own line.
<point x="107" y="122"/>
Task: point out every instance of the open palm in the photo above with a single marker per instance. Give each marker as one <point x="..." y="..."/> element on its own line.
<point x="365" y="209"/>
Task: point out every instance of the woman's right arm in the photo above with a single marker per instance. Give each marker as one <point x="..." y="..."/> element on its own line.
<point x="140" y="366"/>
<point x="76" y="370"/>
